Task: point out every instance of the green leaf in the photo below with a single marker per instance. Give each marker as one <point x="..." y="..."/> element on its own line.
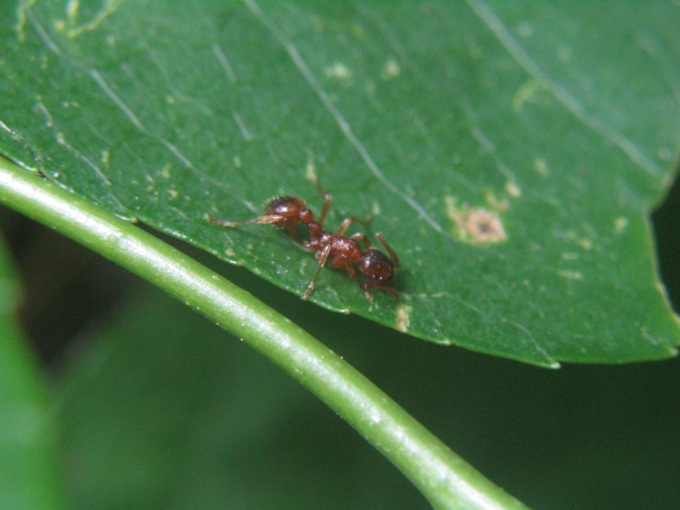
<point x="29" y="472"/>
<point x="510" y="154"/>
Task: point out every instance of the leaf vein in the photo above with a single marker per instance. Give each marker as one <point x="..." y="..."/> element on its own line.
<point x="498" y="28"/>
<point x="340" y="119"/>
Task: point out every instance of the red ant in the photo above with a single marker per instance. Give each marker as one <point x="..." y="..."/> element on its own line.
<point x="335" y="249"/>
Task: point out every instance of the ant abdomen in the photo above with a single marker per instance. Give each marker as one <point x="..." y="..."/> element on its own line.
<point x="377" y="266"/>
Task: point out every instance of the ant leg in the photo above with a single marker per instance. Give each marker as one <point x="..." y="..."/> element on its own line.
<point x="363" y="237"/>
<point x="327" y="197"/>
<point x="293" y="233"/>
<point x="393" y="256"/>
<point x="317" y="185"/>
<point x="269" y="219"/>
<point x="323" y="258"/>
<point x="326" y="205"/>
<point x="345" y="225"/>
<point x="384" y="288"/>
<point x="355" y="277"/>
<point x="348" y="221"/>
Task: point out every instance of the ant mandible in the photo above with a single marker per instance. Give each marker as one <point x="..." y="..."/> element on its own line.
<point x="330" y="248"/>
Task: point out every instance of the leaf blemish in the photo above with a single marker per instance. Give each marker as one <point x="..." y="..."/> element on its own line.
<point x="390" y="70"/>
<point x="570" y="235"/>
<point x="165" y="172"/>
<point x="529" y="92"/>
<point x="475" y="225"/>
<point x="72" y="8"/>
<point x="310" y="169"/>
<point x="338" y="70"/>
<point x="541" y="166"/>
<point x="513" y="190"/>
<point x="403" y="318"/>
<point x="620" y="224"/>
<point x="571" y="275"/>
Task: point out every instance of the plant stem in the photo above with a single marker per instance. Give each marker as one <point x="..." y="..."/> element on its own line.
<point x="445" y="479"/>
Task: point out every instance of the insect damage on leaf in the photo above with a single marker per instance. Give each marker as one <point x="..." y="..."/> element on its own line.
<point x="475" y="225"/>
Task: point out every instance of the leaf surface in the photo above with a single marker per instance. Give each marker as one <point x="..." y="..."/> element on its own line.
<point x="510" y="154"/>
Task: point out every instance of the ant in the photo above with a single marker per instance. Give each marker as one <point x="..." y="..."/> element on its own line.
<point x="333" y="249"/>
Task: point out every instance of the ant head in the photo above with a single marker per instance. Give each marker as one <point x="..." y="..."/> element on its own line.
<point x="376" y="266"/>
<point x="288" y="207"/>
<point x="291" y="209"/>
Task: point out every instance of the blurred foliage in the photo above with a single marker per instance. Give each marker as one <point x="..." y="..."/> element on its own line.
<point x="29" y="470"/>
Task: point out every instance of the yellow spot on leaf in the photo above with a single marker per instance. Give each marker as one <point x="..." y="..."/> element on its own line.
<point x="513" y="190"/>
<point x="72" y="10"/>
<point x="495" y="203"/>
<point x="310" y="169"/>
<point x="403" y="318"/>
<point x="109" y="7"/>
<point x="338" y="70"/>
<point x="541" y="166"/>
<point x="620" y="224"/>
<point x="529" y="92"/>
<point x="571" y="275"/>
<point x="391" y="69"/>
<point x="165" y="172"/>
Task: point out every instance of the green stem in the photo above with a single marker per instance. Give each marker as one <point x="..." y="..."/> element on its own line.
<point x="445" y="479"/>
